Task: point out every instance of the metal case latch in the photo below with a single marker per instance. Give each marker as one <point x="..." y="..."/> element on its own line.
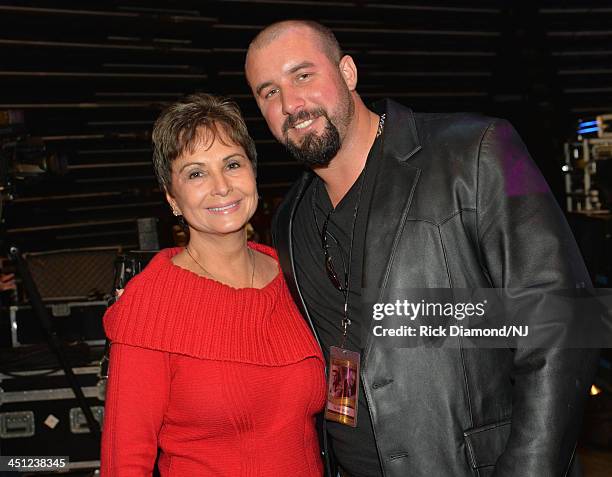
<point x="78" y="423"/>
<point x="16" y="424"/>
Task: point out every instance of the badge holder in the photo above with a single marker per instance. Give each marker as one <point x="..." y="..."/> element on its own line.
<point x="342" y="386"/>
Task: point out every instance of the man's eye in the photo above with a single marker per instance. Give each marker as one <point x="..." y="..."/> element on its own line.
<point x="270" y="93"/>
<point x="304" y="76"/>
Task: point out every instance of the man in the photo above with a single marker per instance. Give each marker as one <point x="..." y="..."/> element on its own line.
<point x="399" y="200"/>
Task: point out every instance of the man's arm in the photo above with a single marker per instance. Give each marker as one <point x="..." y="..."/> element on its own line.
<point x="527" y="246"/>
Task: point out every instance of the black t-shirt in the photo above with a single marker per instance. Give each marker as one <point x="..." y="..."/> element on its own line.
<point x="354" y="448"/>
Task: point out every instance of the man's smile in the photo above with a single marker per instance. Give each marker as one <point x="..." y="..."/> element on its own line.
<point x="302" y="120"/>
<point x="304" y="124"/>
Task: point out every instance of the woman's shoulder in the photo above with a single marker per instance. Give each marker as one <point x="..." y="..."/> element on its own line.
<point x="270" y="271"/>
<point x="164" y="257"/>
<point x="139" y="314"/>
<point x="265" y="249"/>
<point x="159" y="267"/>
<point x="161" y="261"/>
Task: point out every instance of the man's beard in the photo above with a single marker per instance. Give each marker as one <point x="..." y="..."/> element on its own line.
<point x="319" y="150"/>
<point x="316" y="150"/>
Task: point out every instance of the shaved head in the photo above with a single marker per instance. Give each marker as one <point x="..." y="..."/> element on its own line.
<point x="327" y="40"/>
<point x="304" y="87"/>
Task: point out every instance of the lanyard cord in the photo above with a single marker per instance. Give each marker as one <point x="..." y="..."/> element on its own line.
<point x="346" y="321"/>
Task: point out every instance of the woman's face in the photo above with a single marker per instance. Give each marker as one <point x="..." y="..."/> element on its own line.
<point x="214" y="187"/>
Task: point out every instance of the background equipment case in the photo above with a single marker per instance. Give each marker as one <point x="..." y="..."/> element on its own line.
<point x="76" y="321"/>
<point x="39" y="415"/>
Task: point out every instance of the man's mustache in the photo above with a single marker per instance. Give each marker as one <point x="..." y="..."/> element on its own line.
<point x="300" y="116"/>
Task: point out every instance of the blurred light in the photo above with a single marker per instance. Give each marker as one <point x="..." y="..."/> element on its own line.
<point x="588" y="130"/>
<point x="565" y="168"/>
<point x="587" y="123"/>
<point x="595" y="390"/>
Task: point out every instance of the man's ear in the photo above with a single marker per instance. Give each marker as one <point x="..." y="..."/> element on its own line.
<point x="348" y="70"/>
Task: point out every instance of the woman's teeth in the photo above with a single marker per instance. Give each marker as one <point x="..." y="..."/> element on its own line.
<point x="226" y="207"/>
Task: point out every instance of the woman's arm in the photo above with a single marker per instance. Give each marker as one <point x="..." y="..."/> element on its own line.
<point x="136" y="399"/>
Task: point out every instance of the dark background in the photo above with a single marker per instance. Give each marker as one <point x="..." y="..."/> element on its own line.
<point x="81" y="83"/>
<point x="90" y="78"/>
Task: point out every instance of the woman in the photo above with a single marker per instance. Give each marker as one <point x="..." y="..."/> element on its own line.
<point x="211" y="361"/>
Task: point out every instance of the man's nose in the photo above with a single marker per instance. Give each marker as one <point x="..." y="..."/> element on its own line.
<point x="292" y="101"/>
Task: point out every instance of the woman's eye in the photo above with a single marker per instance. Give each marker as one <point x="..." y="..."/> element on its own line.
<point x="195" y="174"/>
<point x="233" y="165"/>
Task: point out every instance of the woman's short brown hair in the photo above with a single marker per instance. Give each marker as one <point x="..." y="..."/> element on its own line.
<point x="193" y="121"/>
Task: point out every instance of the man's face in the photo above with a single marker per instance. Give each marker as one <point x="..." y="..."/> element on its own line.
<point x="303" y="96"/>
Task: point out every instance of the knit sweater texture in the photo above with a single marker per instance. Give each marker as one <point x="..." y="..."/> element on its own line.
<point x="224" y="381"/>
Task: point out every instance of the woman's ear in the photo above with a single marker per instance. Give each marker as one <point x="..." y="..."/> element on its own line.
<point x="176" y="211"/>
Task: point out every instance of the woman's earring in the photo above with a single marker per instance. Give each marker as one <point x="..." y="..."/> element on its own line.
<point x="180" y="218"/>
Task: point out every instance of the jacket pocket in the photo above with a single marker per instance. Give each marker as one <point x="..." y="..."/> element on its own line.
<point x="486" y="443"/>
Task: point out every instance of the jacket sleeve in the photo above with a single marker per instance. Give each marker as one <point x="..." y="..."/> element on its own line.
<point x="528" y="249"/>
<point x="136" y="399"/>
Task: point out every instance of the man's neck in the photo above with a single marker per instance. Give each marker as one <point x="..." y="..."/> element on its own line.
<point x="344" y="169"/>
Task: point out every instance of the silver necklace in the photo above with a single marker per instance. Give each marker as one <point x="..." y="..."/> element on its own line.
<point x="215" y="278"/>
<point x="381" y="124"/>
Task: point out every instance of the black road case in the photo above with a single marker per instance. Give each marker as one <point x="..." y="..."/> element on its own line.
<point x="39" y="415"/>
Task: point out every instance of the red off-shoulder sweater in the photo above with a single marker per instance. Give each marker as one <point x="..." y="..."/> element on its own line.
<point x="224" y="381"/>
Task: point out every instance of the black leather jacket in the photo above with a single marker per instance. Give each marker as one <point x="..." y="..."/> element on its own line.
<point x="458" y="202"/>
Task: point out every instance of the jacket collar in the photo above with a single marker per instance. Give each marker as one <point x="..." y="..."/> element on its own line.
<point x="401" y="135"/>
<point x="394" y="185"/>
<point x="282" y="234"/>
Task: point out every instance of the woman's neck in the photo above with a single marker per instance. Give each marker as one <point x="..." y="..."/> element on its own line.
<point x="224" y="258"/>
